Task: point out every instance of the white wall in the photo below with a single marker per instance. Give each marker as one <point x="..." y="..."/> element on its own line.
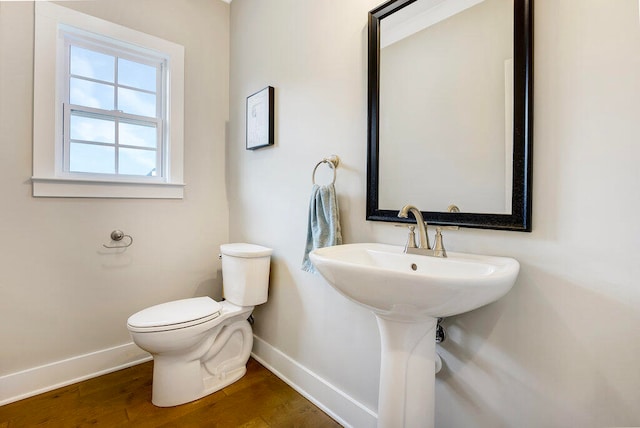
<point x="561" y="349"/>
<point x="61" y="294"/>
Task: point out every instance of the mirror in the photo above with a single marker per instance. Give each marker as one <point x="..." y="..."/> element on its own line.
<point x="450" y="112"/>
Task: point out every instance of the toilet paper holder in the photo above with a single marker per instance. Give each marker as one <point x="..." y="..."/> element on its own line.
<point x="118" y="235"/>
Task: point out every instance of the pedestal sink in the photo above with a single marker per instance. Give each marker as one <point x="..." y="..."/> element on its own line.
<point x="408" y="293"/>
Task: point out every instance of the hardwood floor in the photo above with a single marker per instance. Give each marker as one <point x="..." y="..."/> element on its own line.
<point x="123" y="399"/>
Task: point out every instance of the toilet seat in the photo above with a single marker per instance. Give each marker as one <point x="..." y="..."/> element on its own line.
<point x="175" y="315"/>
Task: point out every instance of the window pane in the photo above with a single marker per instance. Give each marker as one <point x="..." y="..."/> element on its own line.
<point x="92" y="129"/>
<point x="95" y="65"/>
<point x="91" y="158"/>
<point x="136" y="102"/>
<point x="137" y="162"/>
<point x="90" y="94"/>
<point x="138" y="135"/>
<point x="137" y="75"/>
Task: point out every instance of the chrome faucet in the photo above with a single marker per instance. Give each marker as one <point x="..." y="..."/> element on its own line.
<point x="423" y="248"/>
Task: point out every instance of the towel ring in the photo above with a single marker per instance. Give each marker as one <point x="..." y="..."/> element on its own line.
<point x="333" y="161"/>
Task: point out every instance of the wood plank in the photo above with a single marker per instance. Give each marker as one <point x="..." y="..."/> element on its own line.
<point x="39" y="409"/>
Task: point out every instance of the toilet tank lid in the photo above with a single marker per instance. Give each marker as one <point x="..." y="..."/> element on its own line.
<point x="175" y="313"/>
<point x="245" y="250"/>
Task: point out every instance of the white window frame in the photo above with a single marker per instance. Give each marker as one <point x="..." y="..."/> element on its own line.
<point x="54" y="26"/>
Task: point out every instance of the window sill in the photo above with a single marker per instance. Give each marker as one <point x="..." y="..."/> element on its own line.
<point x="83" y="188"/>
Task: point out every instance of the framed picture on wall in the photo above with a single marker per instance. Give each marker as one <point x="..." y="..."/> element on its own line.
<point x="260" y="121"/>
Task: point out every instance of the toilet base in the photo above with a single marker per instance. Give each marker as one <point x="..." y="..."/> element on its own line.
<point x="216" y="384"/>
<point x="223" y="359"/>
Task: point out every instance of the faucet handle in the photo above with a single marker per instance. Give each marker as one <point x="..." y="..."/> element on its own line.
<point x="438" y="247"/>
<point x="411" y="239"/>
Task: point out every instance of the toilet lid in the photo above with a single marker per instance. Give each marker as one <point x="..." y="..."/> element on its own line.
<point x="176" y="314"/>
<point x="241" y="249"/>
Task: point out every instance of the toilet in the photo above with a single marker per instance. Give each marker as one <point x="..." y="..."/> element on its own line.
<point x="198" y="345"/>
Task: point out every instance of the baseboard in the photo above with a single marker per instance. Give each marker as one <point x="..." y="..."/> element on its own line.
<point x="339" y="405"/>
<point x="34" y="381"/>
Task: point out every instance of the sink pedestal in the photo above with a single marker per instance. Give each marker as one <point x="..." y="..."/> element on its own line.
<point x="407" y="373"/>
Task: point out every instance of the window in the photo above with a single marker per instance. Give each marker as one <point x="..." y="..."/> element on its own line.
<point x="107" y="109"/>
<point x="113" y="111"/>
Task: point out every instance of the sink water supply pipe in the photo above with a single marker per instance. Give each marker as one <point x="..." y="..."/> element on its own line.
<point x="441" y="336"/>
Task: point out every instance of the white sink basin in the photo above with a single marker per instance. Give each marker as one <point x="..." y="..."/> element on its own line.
<point x="407" y="293"/>
<point x="397" y="285"/>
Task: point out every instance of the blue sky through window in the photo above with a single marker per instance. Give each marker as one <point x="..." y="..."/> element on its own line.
<point x="92" y="129"/>
<point x="136" y="102"/>
<point x="136" y="75"/>
<point x="91" y="158"/>
<point x="138" y="135"/>
<point x="137" y="162"/>
<point x="91" y="64"/>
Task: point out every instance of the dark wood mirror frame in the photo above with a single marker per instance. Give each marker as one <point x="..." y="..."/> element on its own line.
<point x="520" y="217"/>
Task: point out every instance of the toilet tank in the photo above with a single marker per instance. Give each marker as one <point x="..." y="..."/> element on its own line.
<point x="245" y="273"/>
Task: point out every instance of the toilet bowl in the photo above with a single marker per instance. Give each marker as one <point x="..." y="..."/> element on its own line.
<point x="198" y="345"/>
